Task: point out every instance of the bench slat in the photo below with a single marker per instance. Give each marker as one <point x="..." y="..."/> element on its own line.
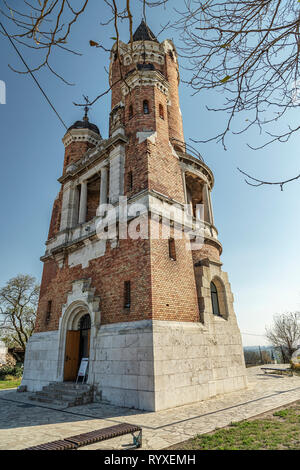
<point x="104" y="434"/>
<point x="54" y="445"/>
<point x="274" y="370"/>
<point x="98" y="435"/>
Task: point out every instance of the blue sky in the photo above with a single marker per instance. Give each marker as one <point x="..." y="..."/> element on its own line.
<point x="258" y="227"/>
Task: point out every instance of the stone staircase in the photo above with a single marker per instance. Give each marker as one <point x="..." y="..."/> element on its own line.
<point x="65" y="394"/>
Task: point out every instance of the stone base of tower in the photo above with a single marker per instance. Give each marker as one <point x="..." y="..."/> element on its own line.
<point x="149" y="365"/>
<point x="191" y="364"/>
<point x="155" y="365"/>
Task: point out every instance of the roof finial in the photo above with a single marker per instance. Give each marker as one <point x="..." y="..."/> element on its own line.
<point x="86" y="108"/>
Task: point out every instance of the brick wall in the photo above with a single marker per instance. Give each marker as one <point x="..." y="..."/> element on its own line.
<point x="161" y="288"/>
<point x="129" y="261"/>
<point x="74" y="151"/>
<point x="174" y="294"/>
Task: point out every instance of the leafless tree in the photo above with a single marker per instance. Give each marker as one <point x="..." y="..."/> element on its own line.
<point x="46" y="25"/>
<point x="249" y="51"/>
<point x="42" y="25"/>
<point x="251" y="357"/>
<point x="246" y="49"/>
<point x="285" y="332"/>
<point x="18" y="303"/>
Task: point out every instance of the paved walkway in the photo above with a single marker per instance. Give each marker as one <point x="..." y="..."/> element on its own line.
<point x="23" y="423"/>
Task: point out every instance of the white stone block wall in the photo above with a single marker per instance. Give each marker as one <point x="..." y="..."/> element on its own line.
<point x="123" y="365"/>
<point x="3" y="353"/>
<point x="148" y="365"/>
<point x="41" y="360"/>
<point x="191" y="364"/>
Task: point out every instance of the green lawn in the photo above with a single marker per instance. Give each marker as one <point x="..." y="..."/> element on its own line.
<point x="10" y="383"/>
<point x="279" y="430"/>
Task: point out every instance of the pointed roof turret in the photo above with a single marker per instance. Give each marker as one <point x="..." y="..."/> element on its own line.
<point x="144" y="33"/>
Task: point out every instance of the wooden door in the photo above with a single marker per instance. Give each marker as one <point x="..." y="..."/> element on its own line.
<point x="71" y="355"/>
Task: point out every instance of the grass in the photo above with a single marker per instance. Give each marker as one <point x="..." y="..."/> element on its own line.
<point x="10" y="383"/>
<point x="279" y="430"/>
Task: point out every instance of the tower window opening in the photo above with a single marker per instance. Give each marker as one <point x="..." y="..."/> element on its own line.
<point x="214" y="299"/>
<point x="130" y="181"/>
<point x="172" y="249"/>
<point x="171" y="55"/>
<point x="49" y="310"/>
<point x="127" y="294"/>
<point x="130" y="113"/>
<point x="146" y="107"/>
<point x="161" y="112"/>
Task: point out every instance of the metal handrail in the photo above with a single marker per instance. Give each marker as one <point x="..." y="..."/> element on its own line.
<point x="188" y="148"/>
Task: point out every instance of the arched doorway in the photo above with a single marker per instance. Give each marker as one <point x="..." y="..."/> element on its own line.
<point x="77" y="346"/>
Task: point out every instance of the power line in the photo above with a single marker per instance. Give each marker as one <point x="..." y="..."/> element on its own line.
<point x="37" y="83"/>
<point x="252" y="334"/>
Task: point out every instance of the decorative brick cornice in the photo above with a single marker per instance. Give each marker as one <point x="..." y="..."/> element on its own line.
<point x="145" y="78"/>
<point x="80" y="135"/>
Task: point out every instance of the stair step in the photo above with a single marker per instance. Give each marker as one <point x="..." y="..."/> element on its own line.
<point x="70" y="385"/>
<point x="61" y="391"/>
<point x="56" y="396"/>
<point x="66" y="389"/>
<point x="59" y="403"/>
<point x="64" y="394"/>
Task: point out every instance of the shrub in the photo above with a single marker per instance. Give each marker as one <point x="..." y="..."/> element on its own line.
<point x="15" y="371"/>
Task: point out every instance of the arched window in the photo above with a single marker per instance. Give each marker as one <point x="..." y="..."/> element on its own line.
<point x="146" y="107"/>
<point x="85" y="322"/>
<point x="161" y="111"/>
<point x="214" y="299"/>
<point x="130" y="111"/>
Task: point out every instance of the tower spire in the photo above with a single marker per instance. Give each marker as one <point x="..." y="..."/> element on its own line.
<point x="144" y="33"/>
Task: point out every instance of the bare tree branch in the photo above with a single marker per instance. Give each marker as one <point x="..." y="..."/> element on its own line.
<point x="248" y="51"/>
<point x="262" y="182"/>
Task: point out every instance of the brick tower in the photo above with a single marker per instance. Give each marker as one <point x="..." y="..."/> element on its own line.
<point x="154" y="316"/>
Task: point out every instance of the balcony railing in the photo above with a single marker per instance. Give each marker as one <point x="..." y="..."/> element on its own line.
<point x="187" y="148"/>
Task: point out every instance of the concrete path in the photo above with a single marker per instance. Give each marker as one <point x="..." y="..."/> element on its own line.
<point x="23" y="423"/>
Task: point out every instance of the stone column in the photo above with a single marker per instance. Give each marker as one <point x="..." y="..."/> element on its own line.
<point x="103" y="185"/>
<point x="199" y="215"/>
<point x="83" y="203"/>
<point x="208" y="214"/>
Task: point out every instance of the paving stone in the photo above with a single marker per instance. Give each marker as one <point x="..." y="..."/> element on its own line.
<point x="23" y="426"/>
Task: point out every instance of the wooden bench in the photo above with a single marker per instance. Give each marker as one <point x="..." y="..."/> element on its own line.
<point x="73" y="442"/>
<point x="273" y="370"/>
<point x="54" y="445"/>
